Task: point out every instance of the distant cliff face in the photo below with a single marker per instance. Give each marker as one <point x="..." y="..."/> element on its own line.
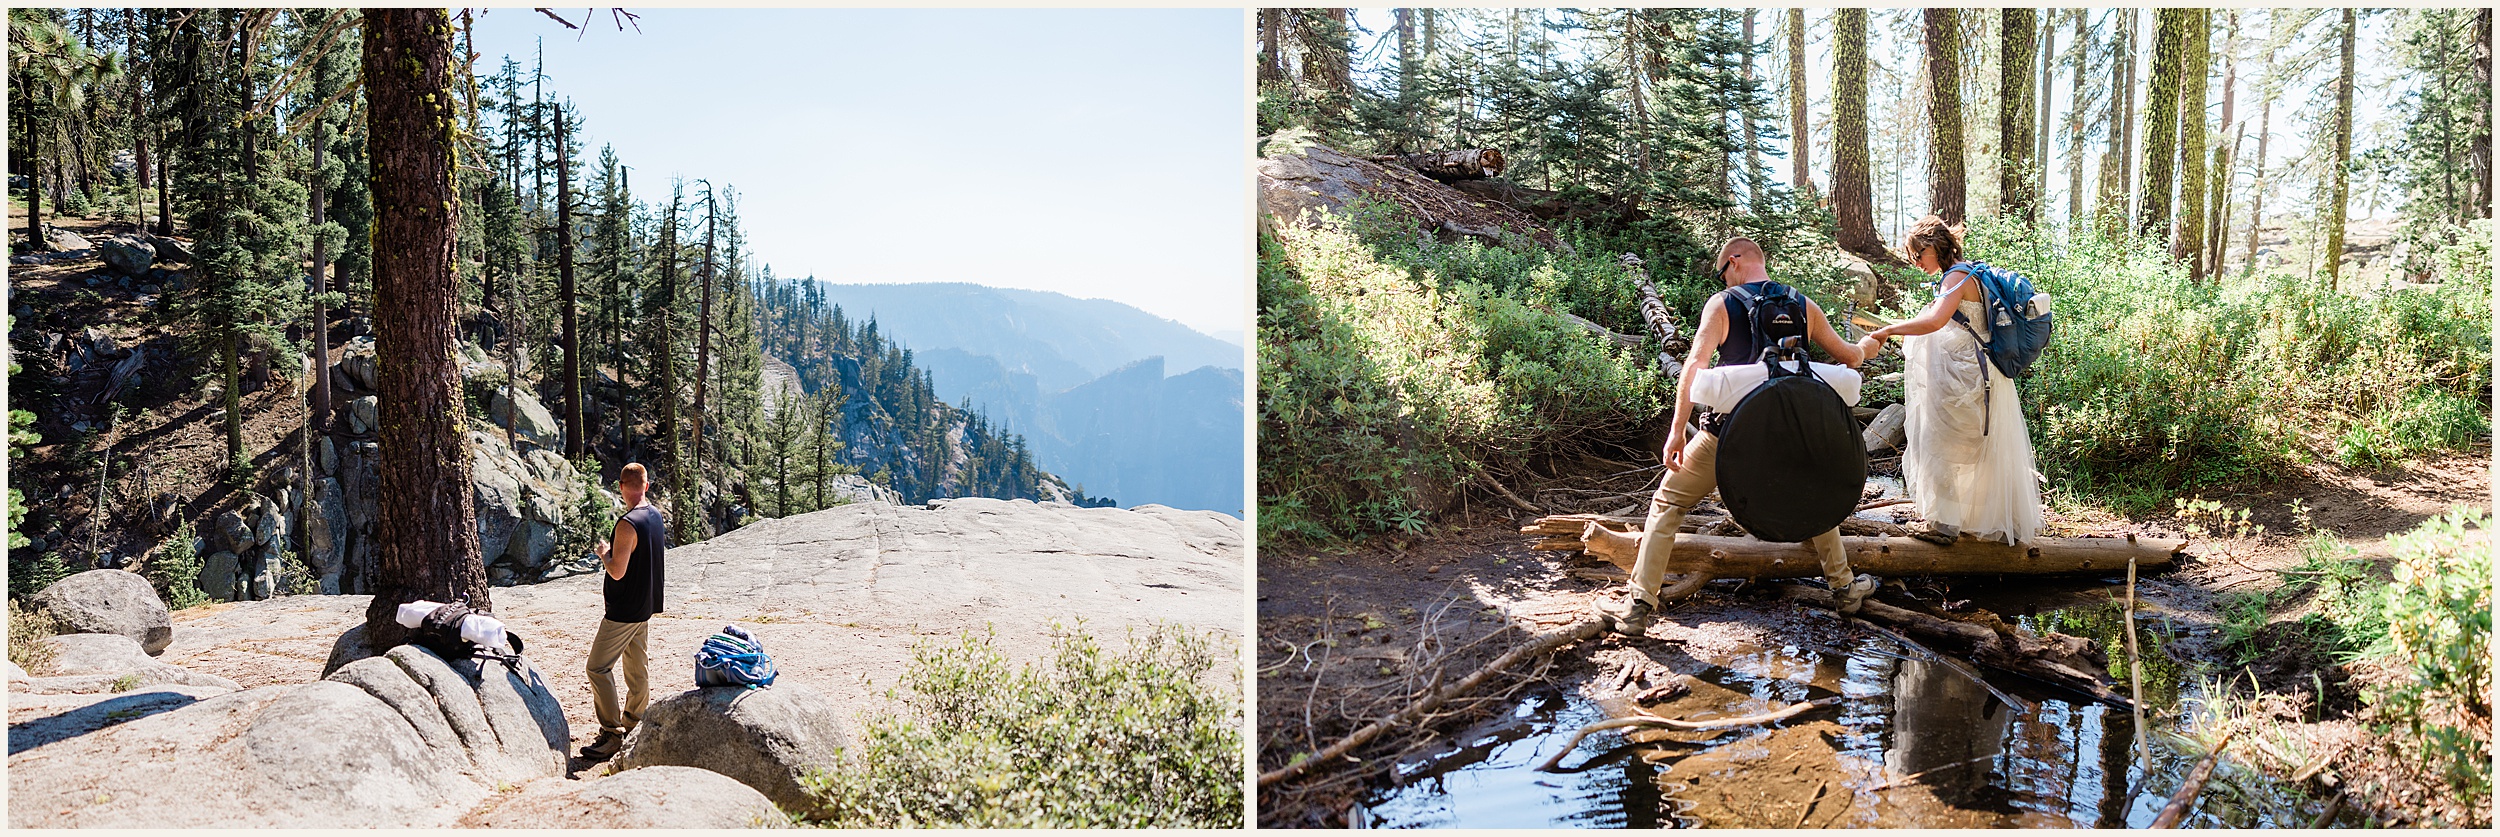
<point x="1084" y="381"/>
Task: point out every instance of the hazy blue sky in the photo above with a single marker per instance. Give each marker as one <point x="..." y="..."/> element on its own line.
<point x="1096" y="153"/>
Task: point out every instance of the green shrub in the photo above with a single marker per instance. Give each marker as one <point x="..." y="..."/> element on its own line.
<point x="175" y="570"/>
<point x="2438" y="622"/>
<point x="1392" y="370"/>
<point x="26" y="627"/>
<point x="2157" y="381"/>
<point x="1089" y="740"/>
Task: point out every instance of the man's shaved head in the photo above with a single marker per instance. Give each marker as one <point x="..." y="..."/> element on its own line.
<point x="1741" y="261"/>
<point x="1740" y="247"/>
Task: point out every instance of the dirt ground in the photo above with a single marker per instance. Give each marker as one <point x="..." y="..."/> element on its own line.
<point x="1375" y="625"/>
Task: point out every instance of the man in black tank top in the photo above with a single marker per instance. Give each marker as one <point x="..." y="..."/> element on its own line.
<point x="632" y="587"/>
<point x="1732" y="329"/>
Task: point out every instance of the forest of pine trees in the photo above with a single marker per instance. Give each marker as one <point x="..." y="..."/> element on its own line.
<point x="641" y="319"/>
<point x="2165" y="118"/>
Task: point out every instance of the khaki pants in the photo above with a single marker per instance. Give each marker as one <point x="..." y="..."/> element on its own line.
<point x="619" y="640"/>
<point x="1676" y="495"/>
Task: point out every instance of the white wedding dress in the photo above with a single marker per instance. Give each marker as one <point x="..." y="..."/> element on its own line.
<point x="1968" y="463"/>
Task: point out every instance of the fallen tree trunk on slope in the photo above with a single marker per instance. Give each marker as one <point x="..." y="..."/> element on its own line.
<point x="1450" y="166"/>
<point x="2057" y="659"/>
<point x="1618" y="540"/>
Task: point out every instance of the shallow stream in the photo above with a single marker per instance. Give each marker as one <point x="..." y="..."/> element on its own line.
<point x="1911" y="744"/>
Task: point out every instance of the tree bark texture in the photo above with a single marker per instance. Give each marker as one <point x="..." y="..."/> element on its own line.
<point x="1946" y="183"/>
<point x="1745" y="557"/>
<point x="1800" y="137"/>
<point x="2218" y="219"/>
<point x="2481" y="143"/>
<point x="1754" y="177"/>
<point x="2257" y="181"/>
<point x="573" y="428"/>
<point x="2161" y="128"/>
<point x="2127" y="137"/>
<point x="2112" y="215"/>
<point x="2074" y="122"/>
<point x="2020" y="41"/>
<point x="1271" y="46"/>
<point x="319" y="280"/>
<point x="2195" y="57"/>
<point x="426" y="535"/>
<point x="2341" y="193"/>
<point x="1853" y="189"/>
<point x="1451" y="166"/>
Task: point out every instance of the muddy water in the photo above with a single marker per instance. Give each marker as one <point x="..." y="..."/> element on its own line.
<point x="1912" y="744"/>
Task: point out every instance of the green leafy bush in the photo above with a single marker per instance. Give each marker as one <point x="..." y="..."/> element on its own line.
<point x="2438" y="622"/>
<point x="175" y="570"/>
<point x="1092" y="739"/>
<point x="1392" y="370"/>
<point x="2156" y="382"/>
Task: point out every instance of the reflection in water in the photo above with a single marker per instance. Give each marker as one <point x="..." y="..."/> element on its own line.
<point x="1945" y="726"/>
<point x="2060" y="764"/>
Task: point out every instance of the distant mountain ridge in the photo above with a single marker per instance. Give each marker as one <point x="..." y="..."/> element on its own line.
<point x="1060" y="340"/>
<point x="1112" y="399"/>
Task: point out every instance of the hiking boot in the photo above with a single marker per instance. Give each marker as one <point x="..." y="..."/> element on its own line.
<point x="1628" y="615"/>
<point x="1849" y="599"/>
<point x="605" y="747"/>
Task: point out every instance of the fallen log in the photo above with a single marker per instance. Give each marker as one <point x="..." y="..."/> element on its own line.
<point x="1541" y="645"/>
<point x="1561" y="532"/>
<point x="1619" y="541"/>
<point x="1642" y="718"/>
<point x="1450" y="166"/>
<point x="2177" y="810"/>
<point x="1661" y="323"/>
<point x="2056" y="660"/>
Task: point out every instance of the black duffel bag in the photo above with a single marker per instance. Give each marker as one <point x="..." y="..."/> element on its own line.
<point x="1791" y="463"/>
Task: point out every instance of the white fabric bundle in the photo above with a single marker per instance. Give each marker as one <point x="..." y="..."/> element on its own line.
<point x="476" y="628"/>
<point x="1720" y="387"/>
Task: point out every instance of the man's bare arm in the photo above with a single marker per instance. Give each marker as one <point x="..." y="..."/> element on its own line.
<point x="620" y="550"/>
<point x="1820" y="329"/>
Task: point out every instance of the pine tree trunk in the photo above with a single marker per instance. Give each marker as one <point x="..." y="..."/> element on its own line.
<point x="1800" y="138"/>
<point x="2074" y="126"/>
<point x="2257" y="182"/>
<point x="318" y="280"/>
<point x="426" y="534"/>
<point x="2127" y="152"/>
<point x="164" y="191"/>
<point x="2047" y="59"/>
<point x="2161" y="130"/>
<point x="230" y="379"/>
<point x="1946" y="183"/>
<point x="2111" y="216"/>
<point x="1635" y="76"/>
<point x="2195" y="56"/>
<point x="1853" y="191"/>
<point x="1271" y="46"/>
<point x="703" y="339"/>
<point x="1406" y="51"/>
<point x="2480" y="155"/>
<point x="2020" y="40"/>
<point x="2217" y="226"/>
<point x="36" y="241"/>
<point x="574" y="430"/>
<point x="1754" y="176"/>
<point x="2341" y="193"/>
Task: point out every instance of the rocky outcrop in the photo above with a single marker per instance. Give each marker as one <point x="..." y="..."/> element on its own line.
<point x="766" y="738"/>
<point x="319" y="754"/>
<point x="649" y="797"/>
<point x="525" y="504"/>
<point x="128" y="255"/>
<point x="245" y="548"/>
<point x="109" y="602"/>
<point x="500" y="717"/>
<point x="528" y="418"/>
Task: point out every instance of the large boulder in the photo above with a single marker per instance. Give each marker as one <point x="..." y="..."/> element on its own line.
<point x="109" y="602"/>
<point x="169" y="250"/>
<point x="128" y="255"/>
<point x="39" y="719"/>
<point x="364" y="415"/>
<point x="649" y="797"/>
<point x="530" y="420"/>
<point x="319" y="755"/>
<point x="495" y="485"/>
<point x="501" y="717"/>
<point x="767" y="738"/>
<point x="356" y="366"/>
<point x="218" y="575"/>
<point x="65" y="240"/>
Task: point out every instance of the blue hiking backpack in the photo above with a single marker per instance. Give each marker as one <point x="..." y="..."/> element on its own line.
<point x="2017" y="329"/>
<point x="733" y="658"/>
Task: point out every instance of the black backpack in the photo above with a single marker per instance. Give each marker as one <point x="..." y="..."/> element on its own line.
<point x="1771" y="314"/>
<point x="1791" y="462"/>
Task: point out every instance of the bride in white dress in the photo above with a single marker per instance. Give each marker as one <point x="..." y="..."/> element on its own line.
<point x="1968" y="465"/>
